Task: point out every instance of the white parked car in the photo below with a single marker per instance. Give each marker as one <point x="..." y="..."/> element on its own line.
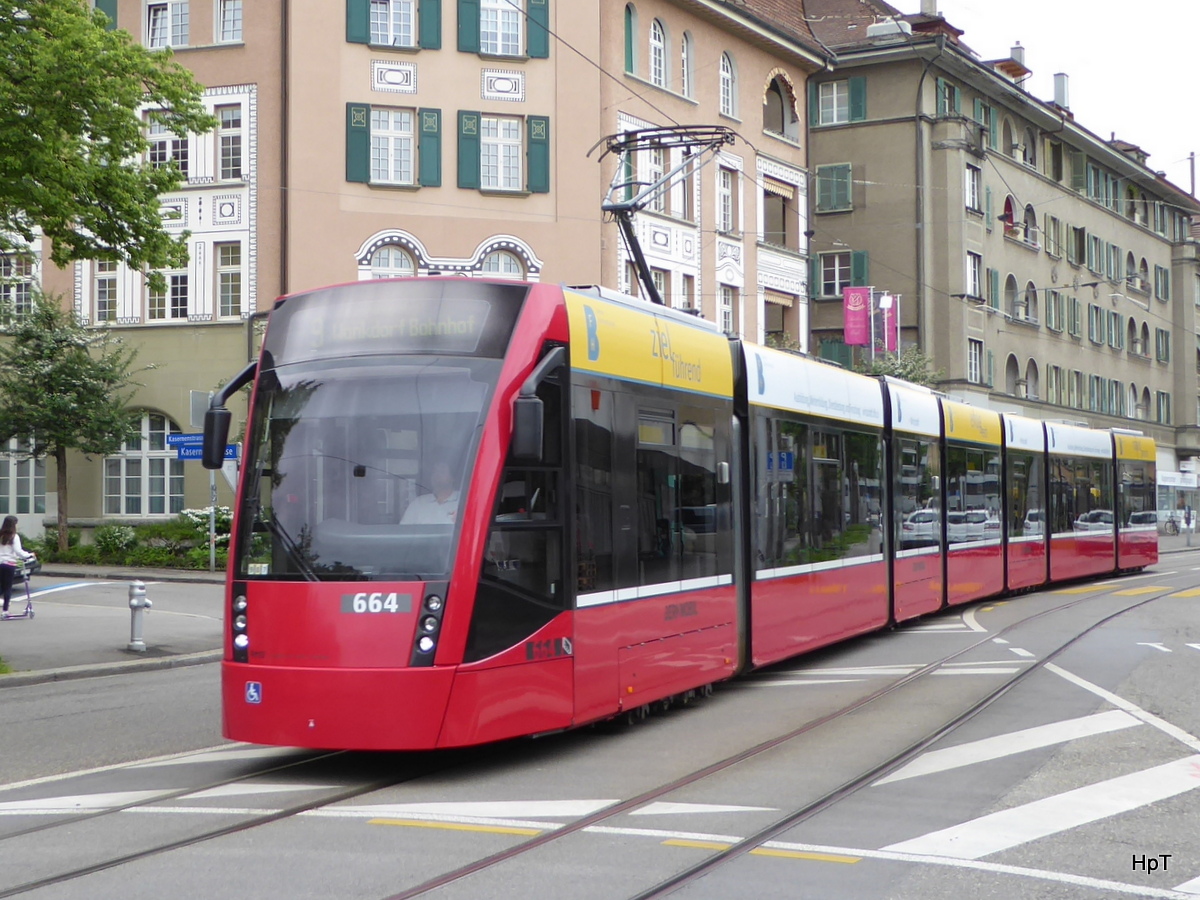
<point x="1096" y="520"/>
<point x="1035" y="522"/>
<point x="965" y="525"/>
<point x="920" y="529"/>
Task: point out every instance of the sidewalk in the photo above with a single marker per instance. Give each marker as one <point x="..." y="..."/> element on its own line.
<point x="85" y="630"/>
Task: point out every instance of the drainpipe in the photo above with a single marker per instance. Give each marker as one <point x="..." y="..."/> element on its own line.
<point x="922" y="293"/>
<point x="285" y="42"/>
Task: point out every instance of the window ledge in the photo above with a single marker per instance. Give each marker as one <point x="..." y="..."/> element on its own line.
<point x="500" y="192"/>
<point x="781" y="248"/>
<point x="783" y="138"/>
<point x="389" y="186"/>
<point x="504" y="57"/>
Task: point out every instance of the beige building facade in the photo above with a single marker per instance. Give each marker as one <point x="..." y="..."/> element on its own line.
<point x="1045" y="270"/>
<point x="376" y="138"/>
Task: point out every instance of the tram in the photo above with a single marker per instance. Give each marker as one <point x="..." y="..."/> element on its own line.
<point x="475" y="510"/>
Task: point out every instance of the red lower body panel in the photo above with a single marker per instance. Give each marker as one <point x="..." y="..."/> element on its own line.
<point x="345" y="709"/>
<point x="791" y="614"/>
<point x="1026" y="563"/>
<point x="1136" y="549"/>
<point x="918" y="586"/>
<point x="500" y="703"/>
<point x="973" y="572"/>
<point x="1080" y="555"/>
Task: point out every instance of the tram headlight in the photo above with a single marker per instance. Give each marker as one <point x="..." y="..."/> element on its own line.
<point x="425" y="644"/>
<point x="239" y="603"/>
<point x="241" y="642"/>
<point x="434" y="603"/>
<point x="429" y="624"/>
<point x="239" y="624"/>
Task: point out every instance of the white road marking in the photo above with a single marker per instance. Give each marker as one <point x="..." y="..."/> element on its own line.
<point x="55" y="806"/>
<point x="664" y="808"/>
<point x="795" y="681"/>
<point x="1193" y="646"/>
<point x="42" y="592"/>
<point x="1133" y="709"/>
<point x="985" y="667"/>
<point x="1155" y="645"/>
<point x="223" y="754"/>
<point x="1189" y="887"/>
<point x="1020" y="652"/>
<point x="999" y="641"/>
<point x="1041" y="818"/>
<point x="483" y="809"/>
<point x="166" y="759"/>
<point x="970" y="621"/>
<point x="1015" y="742"/>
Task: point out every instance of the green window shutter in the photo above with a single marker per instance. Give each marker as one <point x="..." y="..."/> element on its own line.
<point x="943" y="106"/>
<point x="537" y="174"/>
<point x="109" y="8"/>
<point x="814" y="279"/>
<point x="992" y="136"/>
<point x="833" y="188"/>
<point x="988" y="217"/>
<point x="858" y="98"/>
<point x="995" y="288"/>
<point x="358" y="21"/>
<point x="629" y="39"/>
<point x="429" y="15"/>
<point x="859" y="268"/>
<point x="991" y="369"/>
<point x="468" y="149"/>
<point x="358" y="142"/>
<point x="429" y="148"/>
<point x="468" y="27"/>
<point x="843" y="185"/>
<point x="814" y="104"/>
<point x="1078" y="171"/>
<point x="538" y="29"/>
<point x="979" y="111"/>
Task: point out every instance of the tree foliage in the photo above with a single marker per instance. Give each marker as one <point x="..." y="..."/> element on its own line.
<point x="911" y="365"/>
<point x="64" y="386"/>
<point x="72" y="136"/>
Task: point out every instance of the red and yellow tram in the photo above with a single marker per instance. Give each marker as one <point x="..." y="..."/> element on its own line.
<point x="473" y="510"/>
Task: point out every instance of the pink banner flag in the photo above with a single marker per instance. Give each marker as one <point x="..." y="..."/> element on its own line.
<point x="856" y="302"/>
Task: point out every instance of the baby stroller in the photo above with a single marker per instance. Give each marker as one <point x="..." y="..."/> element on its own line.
<point x="28" y="567"/>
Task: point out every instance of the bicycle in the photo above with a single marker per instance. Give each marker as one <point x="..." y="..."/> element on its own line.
<point x="1171" y="525"/>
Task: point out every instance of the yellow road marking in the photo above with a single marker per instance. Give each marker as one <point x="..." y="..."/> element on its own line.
<point x="1078" y="590"/>
<point x="1194" y="592"/>
<point x="1133" y="592"/>
<point x="763" y="851"/>
<point x="453" y="826"/>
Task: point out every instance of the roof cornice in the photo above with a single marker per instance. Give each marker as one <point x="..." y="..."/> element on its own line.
<point x="760" y="30"/>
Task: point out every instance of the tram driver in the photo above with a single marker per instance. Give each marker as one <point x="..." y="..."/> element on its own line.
<point x="439" y="506"/>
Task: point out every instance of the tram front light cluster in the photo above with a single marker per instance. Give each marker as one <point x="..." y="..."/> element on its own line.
<point x="241" y="639"/>
<point x="428" y="626"/>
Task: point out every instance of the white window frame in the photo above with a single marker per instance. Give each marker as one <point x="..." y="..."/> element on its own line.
<point x="146" y="477"/>
<point x="501" y="153"/>
<point x="833" y="102"/>
<point x="394" y="23"/>
<point x="170" y="305"/>
<point x="166" y="147"/>
<point x="974" y="180"/>
<point x="658" y="54"/>
<point x="17" y="277"/>
<point x="392" y="261"/>
<point x="231" y="280"/>
<point x="22" y="480"/>
<point x="393" y="146"/>
<point x="502" y="264"/>
<point x="230" y="144"/>
<point x="167" y="24"/>
<point x="105" y="290"/>
<point x="726" y="303"/>
<point x="728" y="94"/>
<point x="835" y="268"/>
<point x="501" y="27"/>
<point x="726" y="200"/>
<point x="686" y="75"/>
<point x="974" y="361"/>
<point x="229" y="22"/>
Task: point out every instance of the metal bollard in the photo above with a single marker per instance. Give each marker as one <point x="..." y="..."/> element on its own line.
<point x="138" y="607"/>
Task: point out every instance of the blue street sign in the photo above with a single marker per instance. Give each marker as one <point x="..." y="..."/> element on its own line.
<point x="185" y="440"/>
<point x="195" y="451"/>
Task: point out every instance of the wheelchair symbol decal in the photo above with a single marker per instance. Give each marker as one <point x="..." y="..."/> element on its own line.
<point x="254" y="692"/>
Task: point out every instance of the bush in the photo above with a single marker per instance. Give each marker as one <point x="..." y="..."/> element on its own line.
<point x="153" y="557"/>
<point x="115" y="541"/>
<point x="197" y="558"/>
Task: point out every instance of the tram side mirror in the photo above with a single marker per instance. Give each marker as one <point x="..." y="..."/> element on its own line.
<point x="529" y="420"/>
<point x="216" y="435"/>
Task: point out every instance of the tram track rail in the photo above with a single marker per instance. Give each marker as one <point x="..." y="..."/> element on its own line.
<point x="722" y="857"/>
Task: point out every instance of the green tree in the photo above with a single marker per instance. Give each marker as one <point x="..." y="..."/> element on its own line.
<point x="911" y="365"/>
<point x="64" y="386"/>
<point x="73" y="141"/>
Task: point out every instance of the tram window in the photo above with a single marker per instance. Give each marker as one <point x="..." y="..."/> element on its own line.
<point x="916" y="490"/>
<point x="1137" y="492"/>
<point x="1027" y="495"/>
<point x="657" y="510"/>
<point x="593" y="411"/>
<point x="1079" y="486"/>
<point x="697" y="518"/>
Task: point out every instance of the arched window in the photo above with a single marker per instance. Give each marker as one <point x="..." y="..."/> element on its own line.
<point x="779" y="109"/>
<point x="1031" y="302"/>
<point x="686" y="74"/>
<point x="1144" y="275"/>
<point x="1030" y="231"/>
<point x="146" y="477"/>
<point x="1010" y="297"/>
<point x="1031" y="380"/>
<point x="1012" y="226"/>
<point x="1012" y="375"/>
<point x="390" y="261"/>
<point x="1029" y="150"/>
<point x="1010" y="142"/>
<point x="658" y="54"/>
<point x="1130" y="270"/>
<point x="630" y="38"/>
<point x="728" y="86"/>
<point x="502" y="264"/>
